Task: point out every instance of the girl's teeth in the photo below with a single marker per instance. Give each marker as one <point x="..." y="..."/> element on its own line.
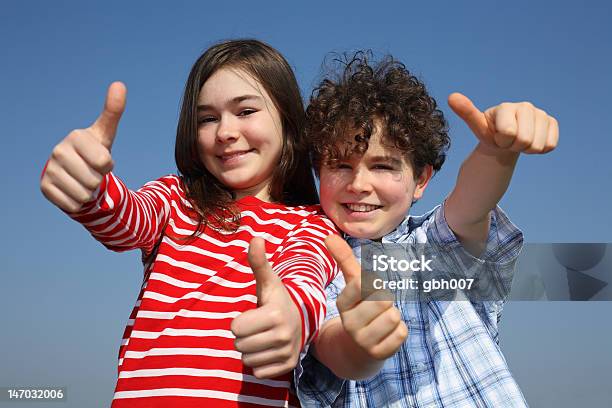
<point x="361" y="207"/>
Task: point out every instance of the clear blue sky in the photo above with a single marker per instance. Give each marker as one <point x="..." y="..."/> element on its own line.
<point x="65" y="299"/>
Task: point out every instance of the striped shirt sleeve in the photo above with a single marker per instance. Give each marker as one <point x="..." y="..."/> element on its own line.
<point x="122" y="219"/>
<point x="306" y="267"/>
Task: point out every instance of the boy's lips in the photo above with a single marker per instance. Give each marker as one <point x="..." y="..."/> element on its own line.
<point x="360" y="211"/>
<point x="361" y="207"/>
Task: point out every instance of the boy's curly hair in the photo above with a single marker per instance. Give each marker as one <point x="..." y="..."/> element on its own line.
<point x="361" y="93"/>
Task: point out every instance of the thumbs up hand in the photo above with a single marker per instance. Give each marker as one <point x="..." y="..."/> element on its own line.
<point x="518" y="127"/>
<point x="375" y="325"/>
<point x="270" y="336"/>
<point x="79" y="162"/>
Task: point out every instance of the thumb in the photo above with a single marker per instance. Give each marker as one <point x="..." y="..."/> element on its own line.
<point x="265" y="278"/>
<point x="342" y="253"/>
<point x="105" y="127"/>
<point x="471" y="115"/>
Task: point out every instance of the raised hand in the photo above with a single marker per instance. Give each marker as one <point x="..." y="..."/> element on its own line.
<point x="518" y="127"/>
<point x="79" y="162"/>
<point x="375" y="325"/>
<point x="269" y="337"/>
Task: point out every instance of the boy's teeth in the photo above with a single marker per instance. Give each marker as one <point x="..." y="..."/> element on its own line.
<point x="361" y="207"/>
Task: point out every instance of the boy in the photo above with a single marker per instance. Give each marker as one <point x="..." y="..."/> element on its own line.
<point x="377" y="138"/>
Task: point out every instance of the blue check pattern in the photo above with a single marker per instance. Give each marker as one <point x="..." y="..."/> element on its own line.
<point x="452" y="356"/>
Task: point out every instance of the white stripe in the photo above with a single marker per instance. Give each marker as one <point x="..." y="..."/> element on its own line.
<point x="196" y="351"/>
<point x="188" y="392"/>
<point x="235" y="242"/>
<point x="200" y="372"/>
<point x="168" y="331"/>
<point x="192" y="285"/>
<point x="185" y="265"/>
<point x="201" y="296"/>
<point x="215" y="255"/>
<point x="273" y="221"/>
<point x="147" y="314"/>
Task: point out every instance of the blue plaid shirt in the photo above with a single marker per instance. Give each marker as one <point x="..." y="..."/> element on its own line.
<point x="451" y="357"/>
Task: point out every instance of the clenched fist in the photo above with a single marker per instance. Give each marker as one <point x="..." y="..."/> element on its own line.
<point x="519" y="127"/>
<point x="375" y="325"/>
<point x="80" y="161"/>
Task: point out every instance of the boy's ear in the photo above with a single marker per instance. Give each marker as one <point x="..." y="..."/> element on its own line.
<point x="422" y="181"/>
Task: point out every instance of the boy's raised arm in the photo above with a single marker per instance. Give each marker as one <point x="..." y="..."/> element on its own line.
<point x="503" y="131"/>
<point x="356" y="344"/>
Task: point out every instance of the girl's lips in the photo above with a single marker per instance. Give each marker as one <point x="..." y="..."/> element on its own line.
<point x="234" y="157"/>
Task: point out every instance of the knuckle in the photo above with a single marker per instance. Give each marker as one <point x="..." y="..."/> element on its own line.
<point x="72" y="207"/>
<point x="76" y="133"/>
<point x="527" y="105"/>
<point x="377" y="353"/>
<point x="395" y="316"/>
<point x="286" y="353"/>
<point x="361" y="338"/>
<point x="59" y="152"/>
<point x="402" y="332"/>
<point x="276" y="316"/>
<point x="284" y="336"/>
<point x="554" y="121"/>
<point x="104" y="160"/>
<point x="85" y="197"/>
<point x="350" y="325"/>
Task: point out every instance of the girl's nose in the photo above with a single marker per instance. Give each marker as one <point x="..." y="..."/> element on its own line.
<point x="227" y="131"/>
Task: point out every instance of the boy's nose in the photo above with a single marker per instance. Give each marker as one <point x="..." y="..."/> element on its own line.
<point x="226" y="131"/>
<point x="359" y="183"/>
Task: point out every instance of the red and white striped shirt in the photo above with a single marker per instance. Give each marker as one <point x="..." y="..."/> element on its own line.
<point x="178" y="349"/>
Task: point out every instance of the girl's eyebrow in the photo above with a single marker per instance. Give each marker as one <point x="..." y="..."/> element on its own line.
<point x="233" y="101"/>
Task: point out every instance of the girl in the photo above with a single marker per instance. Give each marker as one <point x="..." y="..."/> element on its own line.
<point x="211" y="324"/>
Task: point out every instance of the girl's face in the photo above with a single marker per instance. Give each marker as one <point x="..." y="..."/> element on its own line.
<point x="239" y="132"/>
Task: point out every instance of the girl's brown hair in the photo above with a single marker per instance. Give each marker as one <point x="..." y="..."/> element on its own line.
<point x="292" y="180"/>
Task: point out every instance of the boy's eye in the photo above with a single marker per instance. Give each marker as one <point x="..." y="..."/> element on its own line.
<point x="383" y="167"/>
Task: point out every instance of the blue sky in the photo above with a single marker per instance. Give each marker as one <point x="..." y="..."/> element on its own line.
<point x="66" y="299"/>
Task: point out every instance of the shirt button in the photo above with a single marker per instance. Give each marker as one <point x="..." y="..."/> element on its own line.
<point x="420" y="366"/>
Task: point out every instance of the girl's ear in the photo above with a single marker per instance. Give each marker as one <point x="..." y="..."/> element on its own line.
<point x="422" y="181"/>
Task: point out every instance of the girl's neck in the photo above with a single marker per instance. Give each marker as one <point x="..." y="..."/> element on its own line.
<point x="260" y="191"/>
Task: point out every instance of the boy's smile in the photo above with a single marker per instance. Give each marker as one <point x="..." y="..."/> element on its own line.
<point x="368" y="196"/>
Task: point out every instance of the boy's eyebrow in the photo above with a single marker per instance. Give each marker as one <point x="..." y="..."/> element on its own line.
<point x="394" y="160"/>
<point x="233" y="101"/>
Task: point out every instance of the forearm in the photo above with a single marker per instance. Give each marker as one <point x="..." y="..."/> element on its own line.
<point x="336" y="349"/>
<point x="482" y="181"/>
<point x="122" y="219"/>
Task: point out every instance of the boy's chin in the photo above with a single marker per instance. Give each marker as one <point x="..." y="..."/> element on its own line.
<point x="363" y="232"/>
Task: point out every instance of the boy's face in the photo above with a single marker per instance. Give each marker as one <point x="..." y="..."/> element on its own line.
<point x="368" y="196"/>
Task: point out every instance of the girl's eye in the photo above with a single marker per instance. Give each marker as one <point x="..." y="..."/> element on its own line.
<point x="246" y="112"/>
<point x="206" y="119"/>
